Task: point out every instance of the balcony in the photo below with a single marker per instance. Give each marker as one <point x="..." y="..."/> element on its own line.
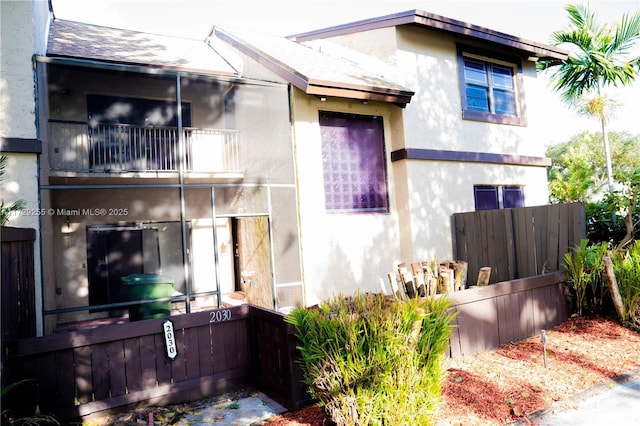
<point x="77" y="149"/>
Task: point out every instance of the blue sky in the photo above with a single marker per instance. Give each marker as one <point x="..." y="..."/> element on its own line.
<point x="531" y="19"/>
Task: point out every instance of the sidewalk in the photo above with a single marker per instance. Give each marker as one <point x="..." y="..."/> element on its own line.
<point x="615" y="402"/>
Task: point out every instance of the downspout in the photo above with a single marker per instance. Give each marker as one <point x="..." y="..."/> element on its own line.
<point x="181" y="167"/>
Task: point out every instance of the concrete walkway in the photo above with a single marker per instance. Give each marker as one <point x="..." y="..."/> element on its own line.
<point x="616" y="402"/>
<point x="252" y="410"/>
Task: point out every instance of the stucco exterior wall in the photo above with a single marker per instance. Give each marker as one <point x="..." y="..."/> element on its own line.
<point x="437" y="190"/>
<point x="22" y="36"/>
<point x="429" y="192"/>
<point x="23" y="28"/>
<point x="342" y="253"/>
<point x="433" y="118"/>
<point x="22" y="32"/>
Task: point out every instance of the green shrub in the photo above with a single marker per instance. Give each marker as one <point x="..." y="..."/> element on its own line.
<point x="374" y="360"/>
<point x="627" y="270"/>
<point x="585" y="275"/>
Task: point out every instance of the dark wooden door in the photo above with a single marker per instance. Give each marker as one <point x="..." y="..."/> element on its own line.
<point x="116" y="253"/>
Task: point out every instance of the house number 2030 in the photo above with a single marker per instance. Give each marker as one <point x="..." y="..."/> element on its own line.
<point x="170" y="340"/>
<point x="219" y="315"/>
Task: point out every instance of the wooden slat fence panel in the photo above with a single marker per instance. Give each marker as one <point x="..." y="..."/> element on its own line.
<point x="17" y="289"/>
<point x="275" y="367"/>
<point x="507" y="311"/>
<point x="518" y="243"/>
<point x="82" y="372"/>
<point x="95" y="369"/>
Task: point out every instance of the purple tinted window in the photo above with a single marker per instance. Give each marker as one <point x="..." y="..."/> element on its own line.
<point x="353" y="161"/>
<point x="512" y="196"/>
<point x="486" y="197"/>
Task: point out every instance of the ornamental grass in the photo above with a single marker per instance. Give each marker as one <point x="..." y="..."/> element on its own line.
<point x="374" y="360"/>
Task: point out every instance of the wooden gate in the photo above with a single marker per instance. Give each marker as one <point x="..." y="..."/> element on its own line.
<point x="518" y="243"/>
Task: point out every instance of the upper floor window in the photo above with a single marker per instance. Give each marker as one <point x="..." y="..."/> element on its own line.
<point x="490" y="89"/>
<point x="353" y="161"/>
<point x="488" y="197"/>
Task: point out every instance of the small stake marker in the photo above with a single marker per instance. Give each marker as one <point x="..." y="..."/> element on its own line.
<point x="543" y="337"/>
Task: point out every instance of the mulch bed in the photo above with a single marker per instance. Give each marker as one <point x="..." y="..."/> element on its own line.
<point x="511" y="383"/>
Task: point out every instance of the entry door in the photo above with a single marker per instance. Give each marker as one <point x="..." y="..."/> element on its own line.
<point x="116" y="253"/>
<point x="253" y="259"/>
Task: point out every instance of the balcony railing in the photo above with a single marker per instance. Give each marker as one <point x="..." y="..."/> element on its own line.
<point x="115" y="148"/>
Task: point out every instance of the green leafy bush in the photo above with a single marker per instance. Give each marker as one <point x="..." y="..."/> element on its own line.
<point x="627" y="270"/>
<point x="585" y="270"/>
<point x="372" y="360"/>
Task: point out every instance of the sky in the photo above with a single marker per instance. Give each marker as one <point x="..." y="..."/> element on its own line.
<point x="530" y="19"/>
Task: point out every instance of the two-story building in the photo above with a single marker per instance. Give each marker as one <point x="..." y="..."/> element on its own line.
<point x="277" y="171"/>
<point x="471" y="138"/>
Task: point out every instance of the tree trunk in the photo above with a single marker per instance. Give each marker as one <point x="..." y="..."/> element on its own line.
<point x="607" y="151"/>
<point x="613" y="287"/>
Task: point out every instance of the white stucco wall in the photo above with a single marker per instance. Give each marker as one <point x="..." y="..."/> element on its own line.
<point x="22" y="35"/>
<point x="429" y="192"/>
<point x="23" y="28"/>
<point x="341" y="253"/>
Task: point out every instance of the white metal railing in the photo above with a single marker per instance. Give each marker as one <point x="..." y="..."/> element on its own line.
<point x="78" y="147"/>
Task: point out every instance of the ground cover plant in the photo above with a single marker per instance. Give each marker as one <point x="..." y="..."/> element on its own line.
<point x="371" y="359"/>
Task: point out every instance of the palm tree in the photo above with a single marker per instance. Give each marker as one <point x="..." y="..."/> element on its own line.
<point x="599" y="57"/>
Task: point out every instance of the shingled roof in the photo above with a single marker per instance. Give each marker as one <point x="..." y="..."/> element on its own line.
<point x="69" y="39"/>
<point x="315" y="72"/>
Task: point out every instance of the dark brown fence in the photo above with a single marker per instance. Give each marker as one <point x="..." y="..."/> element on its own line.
<point x="518" y="243"/>
<point x="276" y="371"/>
<point x="17" y="289"/>
<point x="506" y="312"/>
<point x="18" y="286"/>
<point x="82" y="372"/>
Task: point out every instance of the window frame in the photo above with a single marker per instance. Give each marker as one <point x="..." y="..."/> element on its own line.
<point x="500" y="195"/>
<point x="492" y="59"/>
<point x="385" y="207"/>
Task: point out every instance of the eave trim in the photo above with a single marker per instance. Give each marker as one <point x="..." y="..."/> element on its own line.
<point x="313" y="86"/>
<point x="468" y="157"/>
<point x="20" y="146"/>
<point x="441" y="23"/>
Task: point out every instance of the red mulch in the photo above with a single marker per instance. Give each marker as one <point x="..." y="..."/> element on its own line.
<point x="494" y="388"/>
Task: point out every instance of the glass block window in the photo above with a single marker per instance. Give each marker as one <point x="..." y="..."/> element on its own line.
<point x="353" y="161"/>
<point x="488" y="197"/>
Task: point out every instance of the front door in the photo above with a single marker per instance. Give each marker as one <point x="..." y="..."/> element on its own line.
<point x="252" y="264"/>
<point x="113" y="253"/>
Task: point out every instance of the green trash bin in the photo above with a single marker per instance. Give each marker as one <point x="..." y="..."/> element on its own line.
<point x="145" y="287"/>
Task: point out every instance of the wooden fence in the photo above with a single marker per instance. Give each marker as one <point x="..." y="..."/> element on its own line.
<point x="518" y="243"/>
<point x="506" y="312"/>
<point x="17" y="289"/>
<point x="79" y="373"/>
<point x="18" y="284"/>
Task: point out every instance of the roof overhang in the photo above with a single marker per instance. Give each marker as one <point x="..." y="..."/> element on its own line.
<point x="439" y="23"/>
<point x="88" y="43"/>
<point x="315" y="86"/>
